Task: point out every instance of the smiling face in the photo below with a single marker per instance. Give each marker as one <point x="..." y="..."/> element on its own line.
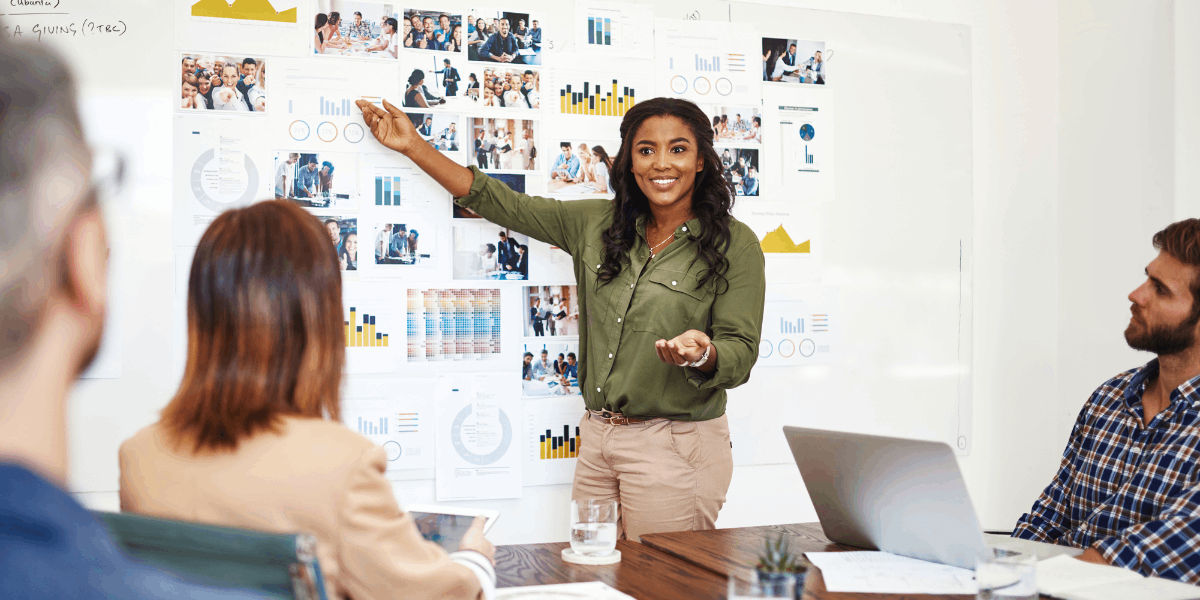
<point x="248" y="70"/>
<point x="352" y="245"/>
<point x="205" y="85"/>
<point x="335" y="232"/>
<point x="189" y="90"/>
<point x="503" y="27"/>
<point x="229" y="75"/>
<point x="429" y="25"/>
<point x="189" y="65"/>
<point x="1162" y="320"/>
<point x="416" y="22"/>
<point x="444" y="22"/>
<point x="665" y="161"/>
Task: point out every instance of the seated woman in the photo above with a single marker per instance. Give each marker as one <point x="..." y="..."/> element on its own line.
<point x="252" y="439"/>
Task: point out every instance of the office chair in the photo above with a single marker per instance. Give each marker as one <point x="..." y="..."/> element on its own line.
<point x="276" y="565"/>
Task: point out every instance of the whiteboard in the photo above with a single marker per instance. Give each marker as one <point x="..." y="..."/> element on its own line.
<point x="895" y="266"/>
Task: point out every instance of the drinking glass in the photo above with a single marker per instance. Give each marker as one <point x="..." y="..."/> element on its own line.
<point x="1006" y="575"/>
<point x="741" y="590"/>
<point x="593" y="527"/>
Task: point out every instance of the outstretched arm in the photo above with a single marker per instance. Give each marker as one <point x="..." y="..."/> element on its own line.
<point x="392" y="128"/>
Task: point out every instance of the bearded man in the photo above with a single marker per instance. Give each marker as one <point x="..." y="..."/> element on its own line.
<point x="1128" y="488"/>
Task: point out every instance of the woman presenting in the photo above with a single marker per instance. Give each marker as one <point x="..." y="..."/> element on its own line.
<point x="671" y="294"/>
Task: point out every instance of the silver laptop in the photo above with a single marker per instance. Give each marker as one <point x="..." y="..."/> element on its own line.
<point x="901" y="496"/>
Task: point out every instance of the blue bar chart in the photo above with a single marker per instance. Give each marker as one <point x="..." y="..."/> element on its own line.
<point x="369" y="428"/>
<point x="787" y="326"/>
<point x="387" y="190"/>
<point x="600" y="31"/>
<point x="339" y="108"/>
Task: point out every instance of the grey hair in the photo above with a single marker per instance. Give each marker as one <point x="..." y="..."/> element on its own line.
<point x="39" y="125"/>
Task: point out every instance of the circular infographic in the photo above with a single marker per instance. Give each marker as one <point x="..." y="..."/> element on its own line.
<point x="327" y="132"/>
<point x="460" y="447"/>
<point x="724" y="87"/>
<point x="678" y="84"/>
<point x="787" y="348"/>
<point x="807" y="132"/>
<point x="353" y="133"/>
<point x="765" y="348"/>
<point x="702" y="85"/>
<point x="807" y="347"/>
<point x="299" y="130"/>
<point x="223" y="201"/>
<point x="393" y="449"/>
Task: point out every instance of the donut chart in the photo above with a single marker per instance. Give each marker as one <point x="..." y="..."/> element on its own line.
<point x="679" y="84"/>
<point x="393" y="449"/>
<point x="702" y="85"/>
<point x="353" y="133"/>
<point x="456" y="438"/>
<point x="202" y="195"/>
<point x="724" y="86"/>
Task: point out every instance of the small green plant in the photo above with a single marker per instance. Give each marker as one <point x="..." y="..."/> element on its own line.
<point x="778" y="558"/>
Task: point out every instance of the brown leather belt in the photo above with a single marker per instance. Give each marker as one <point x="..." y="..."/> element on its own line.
<point x="613" y="418"/>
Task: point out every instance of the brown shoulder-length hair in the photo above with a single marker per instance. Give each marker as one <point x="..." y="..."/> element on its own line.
<point x="265" y="327"/>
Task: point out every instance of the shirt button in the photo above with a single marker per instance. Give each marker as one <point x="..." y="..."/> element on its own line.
<point x="672" y="283"/>
<point x="685" y="227"/>
<point x="631" y="285"/>
<point x="597" y="267"/>
<point x="610" y="354"/>
<point x="597" y="389"/>
<point x="618" y="319"/>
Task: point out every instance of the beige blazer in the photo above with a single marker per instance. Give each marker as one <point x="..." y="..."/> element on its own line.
<point x="314" y="476"/>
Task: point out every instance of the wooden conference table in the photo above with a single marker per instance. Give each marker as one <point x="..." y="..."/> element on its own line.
<point x="689" y="565"/>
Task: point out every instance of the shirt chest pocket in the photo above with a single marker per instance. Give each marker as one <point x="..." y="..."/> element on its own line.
<point x="669" y="304"/>
<point x="598" y="296"/>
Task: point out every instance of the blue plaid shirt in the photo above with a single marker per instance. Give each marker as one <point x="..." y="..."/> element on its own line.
<point x="1129" y="490"/>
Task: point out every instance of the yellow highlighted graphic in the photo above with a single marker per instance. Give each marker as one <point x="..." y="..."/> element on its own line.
<point x="245" y="10"/>
<point x="779" y="241"/>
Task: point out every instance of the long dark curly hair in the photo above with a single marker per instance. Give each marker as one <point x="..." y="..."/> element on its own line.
<point x="712" y="196"/>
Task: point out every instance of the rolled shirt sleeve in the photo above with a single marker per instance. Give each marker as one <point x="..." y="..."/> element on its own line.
<point x="736" y="321"/>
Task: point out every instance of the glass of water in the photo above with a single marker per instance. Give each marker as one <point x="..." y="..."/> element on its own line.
<point x="593" y="527"/>
<point x="1006" y="575"/>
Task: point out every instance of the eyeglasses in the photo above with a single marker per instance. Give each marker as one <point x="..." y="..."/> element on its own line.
<point x="107" y="180"/>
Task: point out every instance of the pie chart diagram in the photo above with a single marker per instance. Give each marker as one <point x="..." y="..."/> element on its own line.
<point x="724" y="86"/>
<point x="678" y="84"/>
<point x="702" y="86"/>
<point x="214" y="204"/>
<point x="456" y="438"/>
<point x="393" y="450"/>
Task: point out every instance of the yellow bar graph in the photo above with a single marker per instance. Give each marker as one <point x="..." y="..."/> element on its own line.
<point x="385" y="340"/>
<point x="347" y="325"/>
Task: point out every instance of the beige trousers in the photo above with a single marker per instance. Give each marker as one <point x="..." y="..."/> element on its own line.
<point x="665" y="475"/>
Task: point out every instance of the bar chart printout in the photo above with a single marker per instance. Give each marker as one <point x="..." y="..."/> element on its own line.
<point x="600" y="31"/>
<point x="560" y="446"/>
<point x="596" y="99"/>
<point x="392" y="190"/>
<point x="364" y="334"/>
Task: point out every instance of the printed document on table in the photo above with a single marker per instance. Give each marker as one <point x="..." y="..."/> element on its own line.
<point x="1072" y="579"/>
<point x="591" y="590"/>
<point x="884" y="573"/>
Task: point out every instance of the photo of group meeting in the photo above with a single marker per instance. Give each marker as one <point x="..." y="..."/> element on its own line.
<point x="223" y="82"/>
<point x="582" y="168"/>
<point x="344" y="233"/>
<point x="551" y="311"/>
<point x="550" y="369"/>
<point x="432" y="30"/>
<point x="503" y="87"/>
<point x="439" y="129"/>
<point x="401" y="244"/>
<point x="505" y="144"/>
<point x="486" y="251"/>
<point x="795" y="61"/>
<point x="741" y="125"/>
<point x="356" y="29"/>
<point x="504" y="37"/>
<point x="313" y="180"/>
<point x="740" y="168"/>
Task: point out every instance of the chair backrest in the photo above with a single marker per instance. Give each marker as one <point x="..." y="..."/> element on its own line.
<point x="277" y="565"/>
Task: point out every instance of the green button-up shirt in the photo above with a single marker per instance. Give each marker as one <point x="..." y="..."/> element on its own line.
<point x="650" y="300"/>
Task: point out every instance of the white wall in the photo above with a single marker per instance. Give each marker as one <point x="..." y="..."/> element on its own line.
<point x="1082" y="113"/>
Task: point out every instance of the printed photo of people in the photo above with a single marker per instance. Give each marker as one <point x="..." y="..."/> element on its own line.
<point x="794" y="61"/>
<point x="551" y="311"/>
<point x="441" y="130"/>
<point x="402" y="244"/>
<point x="514" y="181"/>
<point x="344" y="233"/>
<point x="356" y="29"/>
<point x="317" y="180"/>
<point x="582" y="168"/>
<point x="741" y="125"/>
<point x="550" y="369"/>
<point x="432" y="30"/>
<point x="483" y="250"/>
<point x="223" y="82"/>
<point x="508" y="88"/>
<point x="740" y="166"/>
<point x="505" y="144"/>
<point x="504" y="37"/>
